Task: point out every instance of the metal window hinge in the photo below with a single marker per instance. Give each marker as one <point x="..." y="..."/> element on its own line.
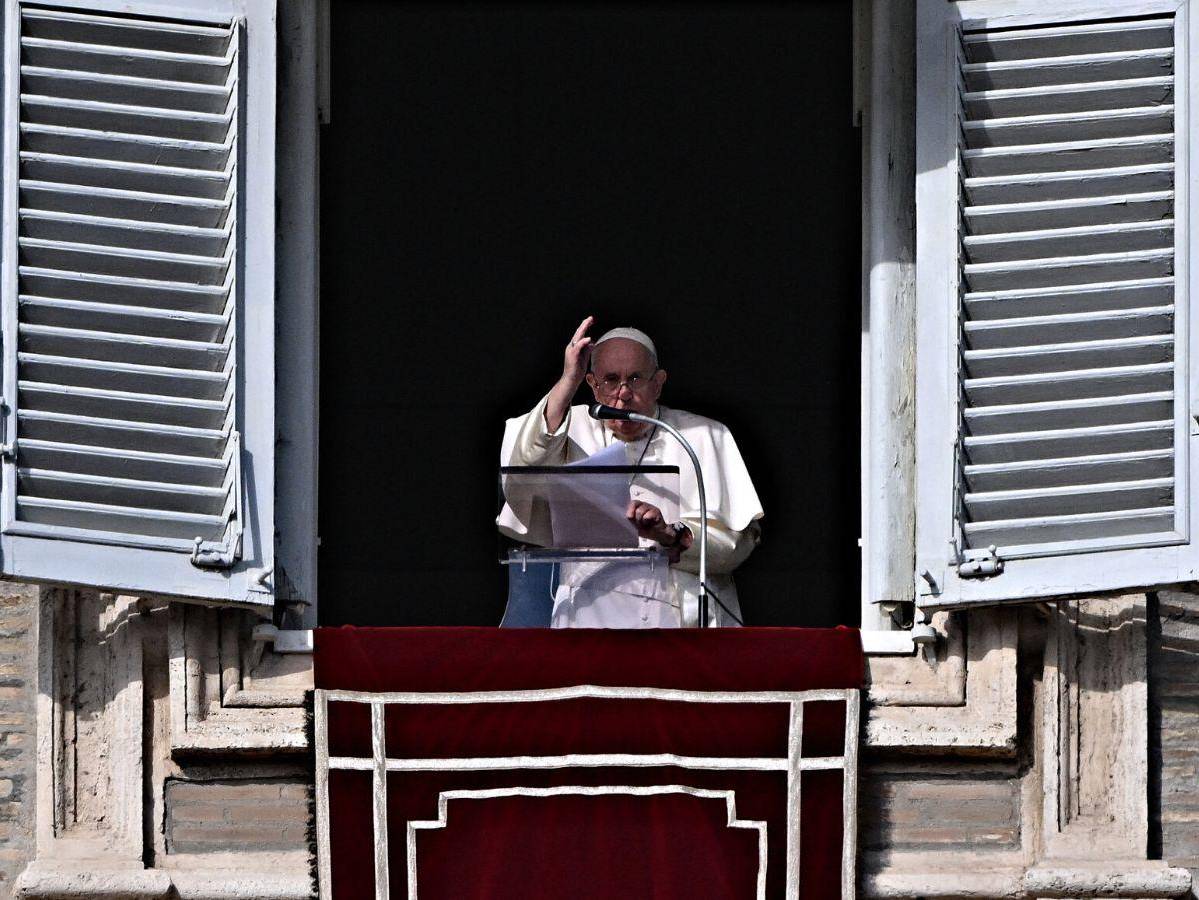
<point x="213" y="556"/>
<point x="284" y="640"/>
<point x="979" y="567"/>
<point x="222" y="555"/>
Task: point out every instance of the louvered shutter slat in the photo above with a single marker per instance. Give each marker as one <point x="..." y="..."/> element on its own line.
<point x="1059" y="242"/>
<point x="1138" y="293"/>
<point x="173" y="382"/>
<point x="126" y="60"/>
<point x="1070" y="99"/>
<point x="148" y="92"/>
<point x="1059" y="534"/>
<point x="1074" y="212"/>
<point x="41" y="282"/>
<point x="120" y="232"/>
<point x="1068" y="356"/>
<point x="86" y="516"/>
<point x="122" y="435"/>
<point x="1069" y="40"/>
<point x="1067" y="383"/>
<point x="83" y="172"/>
<point x="130" y="147"/>
<point x="136" y="464"/>
<point x="1062" y="386"/>
<point x="1063" y="156"/>
<point x="1110" y="467"/>
<point x="1065" y="443"/>
<point x="148" y="321"/>
<point x="127" y="284"/>
<point x="1101" y="325"/>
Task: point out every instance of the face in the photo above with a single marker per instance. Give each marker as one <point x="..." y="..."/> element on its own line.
<point x="616" y="366"/>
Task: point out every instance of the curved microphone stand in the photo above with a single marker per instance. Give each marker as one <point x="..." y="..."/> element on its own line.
<point x="599" y="411"/>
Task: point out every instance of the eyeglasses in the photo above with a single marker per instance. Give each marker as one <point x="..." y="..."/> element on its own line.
<point x="610" y="385"/>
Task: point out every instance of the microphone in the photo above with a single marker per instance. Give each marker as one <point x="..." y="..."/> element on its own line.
<point x="599" y="411"/>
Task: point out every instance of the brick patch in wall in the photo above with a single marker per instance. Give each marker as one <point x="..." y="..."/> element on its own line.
<point x="18" y="665"/>
<point x="938" y="811"/>
<point x="237" y="814"/>
<point x="1174" y="664"/>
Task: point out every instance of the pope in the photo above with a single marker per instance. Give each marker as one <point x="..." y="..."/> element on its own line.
<point x="622" y="370"/>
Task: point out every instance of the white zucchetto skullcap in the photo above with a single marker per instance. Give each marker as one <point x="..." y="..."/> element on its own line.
<point x="630" y="334"/>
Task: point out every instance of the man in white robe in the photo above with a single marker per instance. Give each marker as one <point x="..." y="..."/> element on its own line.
<point x="622" y="370"/>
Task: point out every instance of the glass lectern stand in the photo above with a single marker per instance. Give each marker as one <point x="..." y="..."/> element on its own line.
<point x="575" y="515"/>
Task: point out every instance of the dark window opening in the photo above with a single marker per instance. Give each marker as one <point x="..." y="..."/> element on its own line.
<point x="490" y="176"/>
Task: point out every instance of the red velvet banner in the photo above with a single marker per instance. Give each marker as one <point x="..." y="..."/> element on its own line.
<point x="619" y="830"/>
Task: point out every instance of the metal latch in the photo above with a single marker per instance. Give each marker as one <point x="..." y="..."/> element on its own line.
<point x="981" y="567"/>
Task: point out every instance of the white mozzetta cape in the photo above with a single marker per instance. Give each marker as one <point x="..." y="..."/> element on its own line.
<point x="733" y="507"/>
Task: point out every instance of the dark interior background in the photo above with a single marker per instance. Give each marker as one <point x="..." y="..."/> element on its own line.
<point x="492" y="175"/>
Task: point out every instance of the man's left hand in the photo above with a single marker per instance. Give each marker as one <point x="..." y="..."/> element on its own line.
<point x="649" y="521"/>
<point x="651" y="524"/>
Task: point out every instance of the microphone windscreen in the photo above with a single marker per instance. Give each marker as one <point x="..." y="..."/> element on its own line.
<point x="599" y="411"/>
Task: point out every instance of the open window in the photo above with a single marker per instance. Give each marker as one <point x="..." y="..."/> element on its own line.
<point x="138" y="296"/>
<point x="1055" y="435"/>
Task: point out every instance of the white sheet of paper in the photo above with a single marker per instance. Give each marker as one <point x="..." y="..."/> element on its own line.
<point x="589" y="510"/>
<point x="612" y="455"/>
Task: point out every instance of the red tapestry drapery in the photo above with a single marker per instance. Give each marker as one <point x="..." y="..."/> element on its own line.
<point x="483" y="830"/>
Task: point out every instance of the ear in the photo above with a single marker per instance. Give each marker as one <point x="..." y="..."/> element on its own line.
<point x="591" y="383"/>
<point x="658" y="380"/>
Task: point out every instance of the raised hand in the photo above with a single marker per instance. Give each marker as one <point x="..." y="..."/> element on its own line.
<point x="575" y="360"/>
<point x="577" y="355"/>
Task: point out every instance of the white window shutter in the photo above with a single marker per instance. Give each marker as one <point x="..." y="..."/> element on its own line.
<point x="1054" y="426"/>
<point x="138" y="303"/>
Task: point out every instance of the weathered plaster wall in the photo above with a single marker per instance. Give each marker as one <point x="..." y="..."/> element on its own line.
<point x="18" y="662"/>
<point x="1174" y="728"/>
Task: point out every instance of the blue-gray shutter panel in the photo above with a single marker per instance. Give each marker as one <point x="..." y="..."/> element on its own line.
<point x="1055" y="266"/>
<point x="1067" y="304"/>
<point x="125" y="300"/>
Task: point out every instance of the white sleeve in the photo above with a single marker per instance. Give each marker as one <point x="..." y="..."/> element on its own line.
<point x="727" y="548"/>
<point x="535" y="445"/>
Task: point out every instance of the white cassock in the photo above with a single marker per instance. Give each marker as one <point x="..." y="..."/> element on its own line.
<point x="592" y="595"/>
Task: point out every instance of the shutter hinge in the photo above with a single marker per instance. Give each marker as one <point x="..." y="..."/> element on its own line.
<point x="980" y="567"/>
<point x="215" y="556"/>
<point x="212" y="555"/>
<point x="8" y="449"/>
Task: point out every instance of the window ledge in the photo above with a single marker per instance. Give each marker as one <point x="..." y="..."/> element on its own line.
<point x="888" y="643"/>
<point x="962" y="696"/>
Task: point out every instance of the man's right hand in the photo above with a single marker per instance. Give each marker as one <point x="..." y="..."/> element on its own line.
<point x="575" y="360"/>
<point x="577" y="356"/>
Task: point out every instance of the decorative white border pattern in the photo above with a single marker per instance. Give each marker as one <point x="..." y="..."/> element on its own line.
<point x="729" y="797"/>
<point x="793" y="763"/>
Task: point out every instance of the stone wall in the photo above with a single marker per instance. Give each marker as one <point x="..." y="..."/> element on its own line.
<point x="18" y="660"/>
<point x="1174" y="710"/>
